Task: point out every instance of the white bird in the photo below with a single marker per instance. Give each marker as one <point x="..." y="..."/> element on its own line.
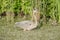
<point x="28" y="24"/>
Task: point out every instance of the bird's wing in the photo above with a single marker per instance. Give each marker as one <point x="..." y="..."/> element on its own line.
<point x="25" y="23"/>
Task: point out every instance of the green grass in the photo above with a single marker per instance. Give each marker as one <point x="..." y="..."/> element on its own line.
<point x="46" y="32"/>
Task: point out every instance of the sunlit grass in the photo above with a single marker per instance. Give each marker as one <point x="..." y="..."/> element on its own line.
<point x="45" y="32"/>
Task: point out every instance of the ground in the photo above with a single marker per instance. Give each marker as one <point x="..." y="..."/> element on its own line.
<point x="46" y="32"/>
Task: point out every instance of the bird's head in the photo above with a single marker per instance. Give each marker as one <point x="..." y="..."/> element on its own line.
<point x="36" y="13"/>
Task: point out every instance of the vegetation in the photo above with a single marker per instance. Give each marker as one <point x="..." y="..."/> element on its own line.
<point x="12" y="11"/>
<point x="48" y="9"/>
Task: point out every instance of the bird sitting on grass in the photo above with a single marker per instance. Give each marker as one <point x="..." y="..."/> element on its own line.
<point x="29" y="24"/>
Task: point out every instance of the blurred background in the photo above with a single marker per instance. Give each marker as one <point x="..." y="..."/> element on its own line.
<point x="12" y="11"/>
<point x="16" y="10"/>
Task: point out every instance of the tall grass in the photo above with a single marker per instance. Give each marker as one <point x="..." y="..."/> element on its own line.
<point x="48" y="9"/>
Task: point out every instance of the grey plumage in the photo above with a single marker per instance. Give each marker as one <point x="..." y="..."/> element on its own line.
<point x="28" y="24"/>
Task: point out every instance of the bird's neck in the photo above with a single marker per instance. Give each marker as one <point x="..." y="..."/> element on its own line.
<point x="34" y="19"/>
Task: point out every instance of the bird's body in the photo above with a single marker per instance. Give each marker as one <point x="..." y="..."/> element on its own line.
<point x="28" y="24"/>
